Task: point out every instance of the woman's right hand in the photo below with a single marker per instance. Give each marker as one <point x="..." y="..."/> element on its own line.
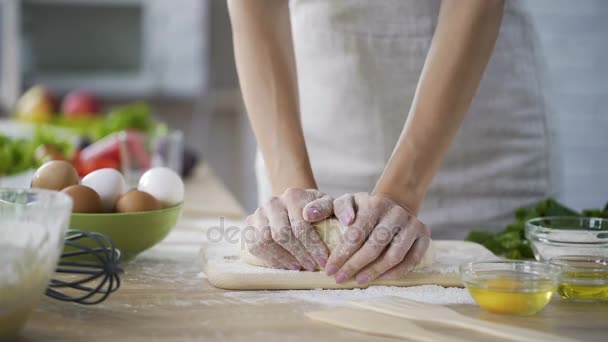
<point x="281" y="233"/>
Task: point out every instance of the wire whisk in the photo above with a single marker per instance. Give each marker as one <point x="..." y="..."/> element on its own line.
<point x="89" y="269"/>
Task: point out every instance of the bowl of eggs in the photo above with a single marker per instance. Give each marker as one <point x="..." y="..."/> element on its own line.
<point x="134" y="219"/>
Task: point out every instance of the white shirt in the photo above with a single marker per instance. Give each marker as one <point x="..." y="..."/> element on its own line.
<point x="358" y="64"/>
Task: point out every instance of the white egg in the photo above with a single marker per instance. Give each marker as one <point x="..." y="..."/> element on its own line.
<point x="164" y="184"/>
<point x="109" y="184"/>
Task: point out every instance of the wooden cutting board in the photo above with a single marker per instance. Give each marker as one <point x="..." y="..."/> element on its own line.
<point x="224" y="269"/>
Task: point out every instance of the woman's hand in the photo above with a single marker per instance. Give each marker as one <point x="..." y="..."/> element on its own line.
<point x="282" y="233"/>
<point x="382" y="239"/>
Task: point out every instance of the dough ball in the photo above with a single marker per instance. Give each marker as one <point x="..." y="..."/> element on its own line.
<point x="330" y="231"/>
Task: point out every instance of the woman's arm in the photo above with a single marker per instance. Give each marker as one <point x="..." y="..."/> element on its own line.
<point x="266" y="67"/>
<point x="281" y="233"/>
<point x="463" y="42"/>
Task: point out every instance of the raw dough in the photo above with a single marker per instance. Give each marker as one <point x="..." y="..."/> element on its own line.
<point x="224" y="268"/>
<point x="330" y="231"/>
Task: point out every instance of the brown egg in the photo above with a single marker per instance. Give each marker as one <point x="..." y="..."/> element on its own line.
<point x="136" y="200"/>
<point x="86" y="200"/>
<point x="55" y="175"/>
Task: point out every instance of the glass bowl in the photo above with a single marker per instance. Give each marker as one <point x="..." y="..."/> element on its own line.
<point x="558" y="236"/>
<point x="511" y="287"/>
<point x="33" y="224"/>
<point x="583" y="278"/>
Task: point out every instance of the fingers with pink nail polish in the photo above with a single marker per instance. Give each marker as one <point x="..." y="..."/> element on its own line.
<point x="381" y="237"/>
<point x="344" y="209"/>
<point x="283" y="235"/>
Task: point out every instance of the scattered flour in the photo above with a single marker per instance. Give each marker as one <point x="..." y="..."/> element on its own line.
<point x="431" y="294"/>
<point x="225" y="256"/>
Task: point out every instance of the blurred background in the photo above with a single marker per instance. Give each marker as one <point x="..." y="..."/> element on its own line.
<point x="159" y="76"/>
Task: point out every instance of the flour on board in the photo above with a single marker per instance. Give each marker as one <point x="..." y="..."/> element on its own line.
<point x="431" y="294"/>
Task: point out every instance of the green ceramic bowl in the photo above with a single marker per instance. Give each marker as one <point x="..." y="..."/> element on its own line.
<point x="131" y="233"/>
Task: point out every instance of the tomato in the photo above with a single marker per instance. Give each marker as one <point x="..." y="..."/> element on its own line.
<point x="86" y="167"/>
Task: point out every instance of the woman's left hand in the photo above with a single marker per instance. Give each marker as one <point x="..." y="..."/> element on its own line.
<point x="382" y="239"/>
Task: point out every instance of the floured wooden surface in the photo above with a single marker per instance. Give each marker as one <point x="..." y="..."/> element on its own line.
<point x="370" y="322"/>
<point x="222" y="264"/>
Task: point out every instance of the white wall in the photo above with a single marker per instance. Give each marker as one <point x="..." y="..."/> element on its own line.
<point x="230" y="145"/>
<point x="175" y="26"/>
<point x="574" y="40"/>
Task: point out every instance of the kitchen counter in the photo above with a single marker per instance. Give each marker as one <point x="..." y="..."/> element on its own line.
<point x="165" y="296"/>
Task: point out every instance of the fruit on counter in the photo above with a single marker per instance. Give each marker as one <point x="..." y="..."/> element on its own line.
<point x="135" y="200"/>
<point x="164" y="184"/>
<point x="78" y="103"/>
<point x="37" y="105"/>
<point x="106" y="148"/>
<point x="85" y="199"/>
<point x="55" y="175"/>
<point x="103" y="160"/>
<point x="132" y="143"/>
<point x="512" y="243"/>
<point x="109" y="184"/>
<point x="81" y="109"/>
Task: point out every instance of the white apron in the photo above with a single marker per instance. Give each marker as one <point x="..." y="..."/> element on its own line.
<point x="358" y="64"/>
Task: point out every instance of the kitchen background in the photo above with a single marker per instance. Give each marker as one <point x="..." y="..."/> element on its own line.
<point x="177" y="56"/>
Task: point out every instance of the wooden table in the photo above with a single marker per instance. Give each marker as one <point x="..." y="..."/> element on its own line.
<point x="165" y="297"/>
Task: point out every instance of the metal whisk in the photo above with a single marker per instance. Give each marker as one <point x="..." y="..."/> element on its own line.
<point x="86" y="282"/>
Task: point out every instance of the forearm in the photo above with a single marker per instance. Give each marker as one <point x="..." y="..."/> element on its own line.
<point x="266" y="67"/>
<point x="462" y="44"/>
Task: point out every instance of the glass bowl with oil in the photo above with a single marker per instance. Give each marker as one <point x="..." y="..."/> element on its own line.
<point x="511" y="287"/>
<point x="553" y="237"/>
<point x="583" y="278"/>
